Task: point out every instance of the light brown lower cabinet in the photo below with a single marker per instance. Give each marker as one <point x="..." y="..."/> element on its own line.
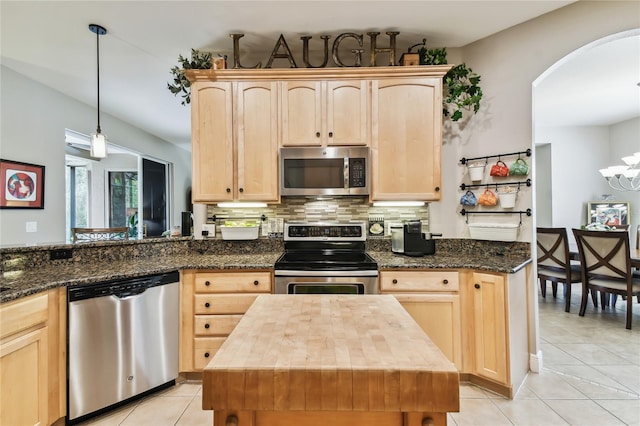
<point x="212" y="304"/>
<point x="495" y="329"/>
<point x="432" y="300"/>
<point x="32" y="363"/>
<point x="477" y="319"/>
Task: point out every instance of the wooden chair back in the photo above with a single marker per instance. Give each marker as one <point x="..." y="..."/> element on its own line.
<point x="99" y="234"/>
<point x="606" y="266"/>
<point x="553" y="247"/>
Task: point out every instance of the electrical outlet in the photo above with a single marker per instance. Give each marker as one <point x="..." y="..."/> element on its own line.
<point x="60" y="254"/>
<point x="32" y="226"/>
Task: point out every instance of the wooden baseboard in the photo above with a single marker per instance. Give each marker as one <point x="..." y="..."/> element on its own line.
<point x="498" y="388"/>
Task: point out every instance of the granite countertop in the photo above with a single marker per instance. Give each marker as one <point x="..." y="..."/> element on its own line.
<point x="23" y="283"/>
<point x="20" y="281"/>
<point x="484" y="262"/>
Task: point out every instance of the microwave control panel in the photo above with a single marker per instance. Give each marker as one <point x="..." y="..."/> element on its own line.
<point x="357" y="173"/>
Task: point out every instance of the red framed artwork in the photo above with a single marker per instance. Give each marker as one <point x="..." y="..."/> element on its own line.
<point x="22" y="185"/>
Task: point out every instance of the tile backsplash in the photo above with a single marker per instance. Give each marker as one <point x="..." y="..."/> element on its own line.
<point x="331" y="209"/>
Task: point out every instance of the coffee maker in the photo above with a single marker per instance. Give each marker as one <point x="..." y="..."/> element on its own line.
<point x="411" y="241"/>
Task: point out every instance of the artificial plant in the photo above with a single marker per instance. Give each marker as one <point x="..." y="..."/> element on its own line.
<point x="461" y="89"/>
<point x="181" y="84"/>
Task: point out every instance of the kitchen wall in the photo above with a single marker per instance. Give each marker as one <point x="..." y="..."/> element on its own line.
<point x="509" y="62"/>
<point x="34" y="118"/>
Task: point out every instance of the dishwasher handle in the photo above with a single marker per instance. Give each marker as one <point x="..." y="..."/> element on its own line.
<point x="129" y="292"/>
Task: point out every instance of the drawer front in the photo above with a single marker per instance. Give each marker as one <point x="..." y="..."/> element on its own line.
<point x="215" y="325"/>
<point x="419" y="281"/>
<point x="223" y="303"/>
<point x="233" y="282"/>
<point x="23" y="313"/>
<point x="204" y="349"/>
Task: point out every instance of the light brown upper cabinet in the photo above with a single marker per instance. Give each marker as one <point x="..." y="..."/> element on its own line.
<point x="234" y="141"/>
<point x="406" y="139"/>
<point x="212" y="142"/>
<point x="325" y="113"/>
<point x="257" y="141"/>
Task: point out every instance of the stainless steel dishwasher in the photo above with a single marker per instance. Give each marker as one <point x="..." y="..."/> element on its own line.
<point x="122" y="342"/>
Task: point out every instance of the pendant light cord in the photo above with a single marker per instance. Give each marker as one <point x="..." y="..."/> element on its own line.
<point x="98" y="30"/>
<point x="98" y="67"/>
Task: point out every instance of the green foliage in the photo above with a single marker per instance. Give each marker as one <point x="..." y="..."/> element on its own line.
<point x="181" y="85"/>
<point x="461" y="89"/>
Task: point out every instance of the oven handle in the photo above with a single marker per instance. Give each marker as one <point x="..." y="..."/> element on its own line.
<point x="289" y="273"/>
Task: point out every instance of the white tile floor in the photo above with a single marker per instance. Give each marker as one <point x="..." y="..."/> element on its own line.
<point x="591" y="376"/>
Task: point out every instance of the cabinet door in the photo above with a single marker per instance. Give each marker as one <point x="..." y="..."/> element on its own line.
<point x="24" y="376"/>
<point x="301" y="113"/>
<point x="406" y="139"/>
<point x="212" y="142"/>
<point x="257" y="141"/>
<point x="439" y="317"/>
<point x="347" y="110"/>
<point x="489" y="326"/>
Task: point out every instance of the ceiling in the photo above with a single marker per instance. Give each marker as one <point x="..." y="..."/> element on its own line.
<point x="49" y="41"/>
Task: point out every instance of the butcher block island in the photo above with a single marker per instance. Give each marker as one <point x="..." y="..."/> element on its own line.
<point x="318" y="360"/>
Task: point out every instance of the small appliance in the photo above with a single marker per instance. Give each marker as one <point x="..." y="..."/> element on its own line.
<point x="317" y="171"/>
<point x="409" y="239"/>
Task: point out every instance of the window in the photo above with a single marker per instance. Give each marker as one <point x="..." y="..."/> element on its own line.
<point x="123" y="200"/>
<point x="77" y="197"/>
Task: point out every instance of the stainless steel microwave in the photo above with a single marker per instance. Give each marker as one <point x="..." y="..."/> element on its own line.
<point x="324" y="171"/>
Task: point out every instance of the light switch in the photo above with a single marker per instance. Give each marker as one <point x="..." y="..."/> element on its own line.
<point x="32" y="226"/>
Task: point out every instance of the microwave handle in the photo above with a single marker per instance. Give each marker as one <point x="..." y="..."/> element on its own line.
<point x="346" y="172"/>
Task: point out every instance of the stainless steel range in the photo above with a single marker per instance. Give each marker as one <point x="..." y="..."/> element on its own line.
<point x="325" y="258"/>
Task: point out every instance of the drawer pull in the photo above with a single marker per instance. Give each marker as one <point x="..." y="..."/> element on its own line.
<point x="445" y="282"/>
<point x="477" y="285"/>
<point x="394" y="281"/>
<point x="207" y="283"/>
<point x="206" y="354"/>
<point x="256" y="282"/>
<point x="207" y="326"/>
<point x="206" y="305"/>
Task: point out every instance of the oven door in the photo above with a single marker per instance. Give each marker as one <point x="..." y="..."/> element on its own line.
<point x="335" y="283"/>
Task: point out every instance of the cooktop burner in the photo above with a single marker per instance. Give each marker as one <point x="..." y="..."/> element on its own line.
<point x="325" y="246"/>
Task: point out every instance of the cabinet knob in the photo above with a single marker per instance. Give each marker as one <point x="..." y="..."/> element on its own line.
<point x="394" y="281"/>
<point x="207" y="283"/>
<point x="445" y="282"/>
<point x="437" y="189"/>
<point x="207" y="326"/>
<point x="241" y="190"/>
<point x="256" y="282"/>
<point x="231" y="421"/>
<point x="330" y="134"/>
<point x="206" y="354"/>
<point x="206" y="305"/>
<point x="228" y="189"/>
<point x="317" y="134"/>
<point x="477" y="285"/>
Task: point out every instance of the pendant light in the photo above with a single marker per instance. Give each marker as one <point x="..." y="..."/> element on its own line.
<point x="98" y="139"/>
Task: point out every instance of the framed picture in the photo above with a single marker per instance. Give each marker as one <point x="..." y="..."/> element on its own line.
<point x="608" y="213"/>
<point x="22" y="185"/>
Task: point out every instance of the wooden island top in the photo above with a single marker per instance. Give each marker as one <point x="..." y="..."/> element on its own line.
<point x="329" y="359"/>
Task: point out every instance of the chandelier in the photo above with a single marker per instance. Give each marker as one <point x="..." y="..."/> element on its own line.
<point x="624" y="177"/>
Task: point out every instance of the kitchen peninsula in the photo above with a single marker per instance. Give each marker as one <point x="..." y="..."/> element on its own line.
<point x="329" y="359"/>
<point x="490" y="350"/>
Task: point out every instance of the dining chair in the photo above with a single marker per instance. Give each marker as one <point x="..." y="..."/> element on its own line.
<point x="554" y="263"/>
<point x="606" y="266"/>
<point x="99" y="234"/>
